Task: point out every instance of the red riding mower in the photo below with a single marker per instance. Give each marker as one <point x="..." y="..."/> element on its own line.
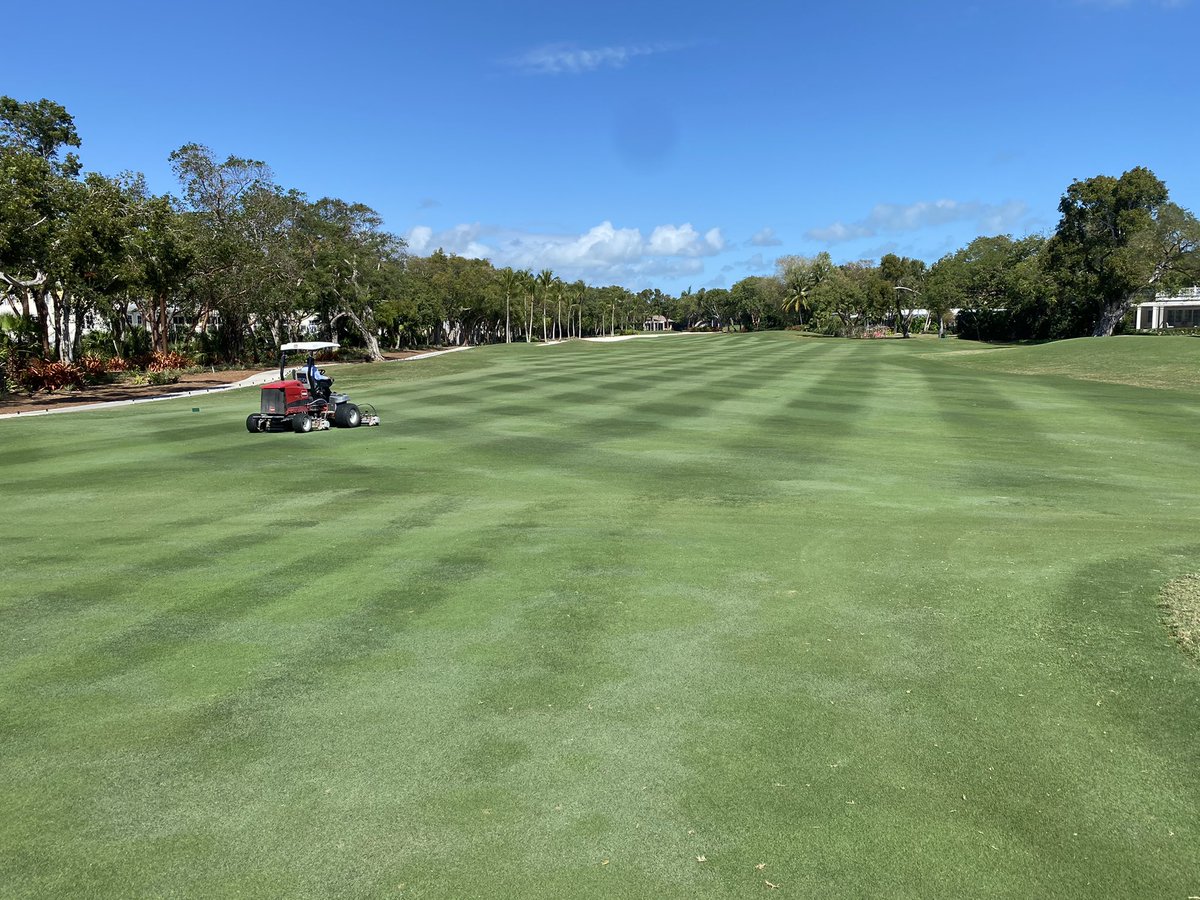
<point x="306" y="402"/>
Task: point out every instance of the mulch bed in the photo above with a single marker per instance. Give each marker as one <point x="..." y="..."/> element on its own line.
<point x="108" y="393"/>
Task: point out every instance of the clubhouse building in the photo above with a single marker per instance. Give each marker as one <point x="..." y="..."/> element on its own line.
<point x="1179" y="310"/>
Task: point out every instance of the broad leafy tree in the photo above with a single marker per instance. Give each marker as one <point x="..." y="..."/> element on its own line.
<point x="1000" y="283"/>
<point x="906" y="279"/>
<point x="352" y="262"/>
<point x="37" y="190"/>
<point x="1118" y="239"/>
<point x="227" y="253"/>
<point x="757" y="300"/>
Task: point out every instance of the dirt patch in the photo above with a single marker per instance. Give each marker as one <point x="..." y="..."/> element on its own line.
<point x="108" y="393"/>
<point x="1180" y="605"/>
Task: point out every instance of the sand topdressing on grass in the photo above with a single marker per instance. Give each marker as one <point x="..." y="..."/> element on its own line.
<point x="651" y="618"/>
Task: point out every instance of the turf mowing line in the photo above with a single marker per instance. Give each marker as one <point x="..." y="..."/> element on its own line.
<point x="635" y="418"/>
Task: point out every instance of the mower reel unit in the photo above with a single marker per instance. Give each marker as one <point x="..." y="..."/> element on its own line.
<point x="305" y="402"/>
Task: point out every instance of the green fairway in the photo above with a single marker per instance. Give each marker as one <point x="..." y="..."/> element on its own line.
<point x="674" y="617"/>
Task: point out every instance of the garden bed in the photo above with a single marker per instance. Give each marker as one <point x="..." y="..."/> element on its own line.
<point x="18" y="402"/>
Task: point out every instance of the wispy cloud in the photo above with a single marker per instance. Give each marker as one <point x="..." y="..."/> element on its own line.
<point x="566" y="59"/>
<point x="888" y="218"/>
<point x="764" y="237"/>
<point x="602" y="253"/>
<point x="756" y="263"/>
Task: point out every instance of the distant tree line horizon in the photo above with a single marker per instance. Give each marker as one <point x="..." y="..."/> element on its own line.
<point x="237" y="264"/>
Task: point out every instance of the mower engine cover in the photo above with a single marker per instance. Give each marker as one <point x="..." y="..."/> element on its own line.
<point x="282" y="398"/>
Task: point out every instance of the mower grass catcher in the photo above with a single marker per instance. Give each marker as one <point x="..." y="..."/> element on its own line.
<point x="305" y="402"/>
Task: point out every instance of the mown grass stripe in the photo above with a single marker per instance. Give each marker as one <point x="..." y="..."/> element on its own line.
<point x="850" y="609"/>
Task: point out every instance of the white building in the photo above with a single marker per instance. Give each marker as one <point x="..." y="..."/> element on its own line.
<point x="657" y="323"/>
<point x="1179" y="310"/>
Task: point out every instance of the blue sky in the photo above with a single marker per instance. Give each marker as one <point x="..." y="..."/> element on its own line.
<point x="645" y="144"/>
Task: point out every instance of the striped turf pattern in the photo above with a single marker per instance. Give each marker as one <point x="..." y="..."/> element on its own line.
<point x="608" y="620"/>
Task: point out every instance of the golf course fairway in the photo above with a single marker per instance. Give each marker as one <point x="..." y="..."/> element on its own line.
<point x="697" y="616"/>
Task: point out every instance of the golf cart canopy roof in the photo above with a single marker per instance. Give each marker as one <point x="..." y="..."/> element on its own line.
<point x="310" y="345"/>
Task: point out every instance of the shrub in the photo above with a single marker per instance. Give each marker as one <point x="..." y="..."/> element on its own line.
<point x="164" y="376"/>
<point x="49" y="375"/>
<point x="998" y="325"/>
<point x="7" y="369"/>
<point x="162" y="362"/>
<point x="1184" y="331"/>
<point x="93" y="367"/>
<point x="159" y="377"/>
<point x="96" y="343"/>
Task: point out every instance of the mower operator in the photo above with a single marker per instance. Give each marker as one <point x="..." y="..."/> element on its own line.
<point x="318" y="381"/>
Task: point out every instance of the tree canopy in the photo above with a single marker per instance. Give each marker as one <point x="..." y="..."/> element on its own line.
<point x="236" y="263"/>
<point x="1118" y="238"/>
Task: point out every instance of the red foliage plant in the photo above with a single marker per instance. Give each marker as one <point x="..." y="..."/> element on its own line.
<point x="93" y="366"/>
<point x="50" y="375"/>
<point x="161" y="362"/>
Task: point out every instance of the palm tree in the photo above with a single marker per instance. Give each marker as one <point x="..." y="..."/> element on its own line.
<point x="794" y="299"/>
<point x="545" y="279"/>
<point x="579" y="289"/>
<point x="560" y="291"/>
<point x="528" y="285"/>
<point x="800" y="278"/>
<point x="510" y="283"/>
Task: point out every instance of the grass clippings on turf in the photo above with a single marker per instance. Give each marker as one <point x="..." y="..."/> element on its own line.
<point x="1180" y="604"/>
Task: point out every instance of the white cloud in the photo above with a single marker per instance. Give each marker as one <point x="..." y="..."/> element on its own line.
<point x="890" y="218"/>
<point x="418" y="239"/>
<point x="669" y="240"/>
<point x="765" y="237"/>
<point x="461" y="240"/>
<point x="602" y="253"/>
<point x="558" y="59"/>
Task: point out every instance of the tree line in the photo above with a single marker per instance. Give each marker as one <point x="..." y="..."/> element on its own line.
<point x="1118" y="242"/>
<point x="236" y="264"/>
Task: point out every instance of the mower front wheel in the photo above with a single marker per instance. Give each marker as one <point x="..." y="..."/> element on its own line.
<point x="347" y="416"/>
<point x="252" y="423"/>
<point x="301" y="423"/>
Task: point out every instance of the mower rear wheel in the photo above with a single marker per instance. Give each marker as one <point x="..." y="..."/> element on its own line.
<point x="347" y="416"/>
<point x="301" y="423"/>
<point x="252" y="421"/>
